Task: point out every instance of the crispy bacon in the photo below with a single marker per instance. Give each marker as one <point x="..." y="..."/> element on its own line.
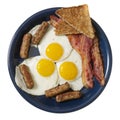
<point x="54" y="20"/>
<point x="82" y="45"/>
<point x="97" y="62"/>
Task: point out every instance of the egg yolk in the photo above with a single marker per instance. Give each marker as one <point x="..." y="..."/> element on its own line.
<point x="45" y="67"/>
<point x="68" y="70"/>
<point x="54" y="51"/>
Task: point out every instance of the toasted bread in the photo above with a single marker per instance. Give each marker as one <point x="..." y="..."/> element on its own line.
<point x="78" y="17"/>
<point x="64" y="28"/>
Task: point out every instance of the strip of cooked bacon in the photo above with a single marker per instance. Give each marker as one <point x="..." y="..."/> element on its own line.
<point x="97" y="62"/>
<point x="82" y="45"/>
<point x="54" y="20"/>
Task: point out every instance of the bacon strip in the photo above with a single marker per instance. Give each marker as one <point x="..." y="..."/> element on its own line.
<point x="82" y="45"/>
<point x="54" y="20"/>
<point x="97" y="62"/>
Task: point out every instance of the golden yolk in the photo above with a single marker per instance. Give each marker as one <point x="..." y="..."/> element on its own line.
<point x="54" y="51"/>
<point x="45" y="67"/>
<point x="68" y="70"/>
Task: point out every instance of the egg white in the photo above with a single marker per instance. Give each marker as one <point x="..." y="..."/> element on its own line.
<point x="40" y="83"/>
<point x="51" y="37"/>
<point x="75" y="84"/>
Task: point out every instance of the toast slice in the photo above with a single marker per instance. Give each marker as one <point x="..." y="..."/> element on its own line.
<point x="64" y="28"/>
<point x="77" y="17"/>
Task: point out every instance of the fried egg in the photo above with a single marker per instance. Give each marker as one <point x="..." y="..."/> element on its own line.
<point x="44" y="74"/>
<point x="56" y="48"/>
<point x="70" y="71"/>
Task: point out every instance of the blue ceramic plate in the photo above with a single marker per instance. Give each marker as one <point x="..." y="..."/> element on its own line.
<point x="42" y="102"/>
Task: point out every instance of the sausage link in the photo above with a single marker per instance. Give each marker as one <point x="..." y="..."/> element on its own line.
<point x="25" y="45"/>
<point x="40" y="33"/>
<point x="68" y="96"/>
<point x="57" y="90"/>
<point x="27" y="76"/>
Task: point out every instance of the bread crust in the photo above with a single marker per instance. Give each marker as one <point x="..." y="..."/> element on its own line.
<point x="77" y="17"/>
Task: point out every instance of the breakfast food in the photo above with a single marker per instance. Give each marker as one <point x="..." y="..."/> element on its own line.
<point x="68" y="96"/>
<point x="25" y="45"/>
<point x="78" y="17"/>
<point x="56" y="48"/>
<point x="97" y="62"/>
<point x="70" y="70"/>
<point x="69" y="56"/>
<point x="26" y="76"/>
<point x="47" y="76"/>
<point x="44" y="77"/>
<point x="82" y="45"/>
<point x="60" y="30"/>
<point x="57" y="90"/>
<point x="40" y="33"/>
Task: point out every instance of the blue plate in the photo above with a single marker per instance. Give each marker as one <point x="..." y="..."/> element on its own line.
<point x="49" y="104"/>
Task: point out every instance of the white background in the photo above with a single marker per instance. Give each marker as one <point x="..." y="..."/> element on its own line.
<point x="13" y="106"/>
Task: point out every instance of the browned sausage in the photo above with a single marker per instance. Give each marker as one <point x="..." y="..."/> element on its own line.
<point x="40" y="33"/>
<point x="25" y="45"/>
<point x="27" y="76"/>
<point x="68" y="96"/>
<point x="57" y="90"/>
